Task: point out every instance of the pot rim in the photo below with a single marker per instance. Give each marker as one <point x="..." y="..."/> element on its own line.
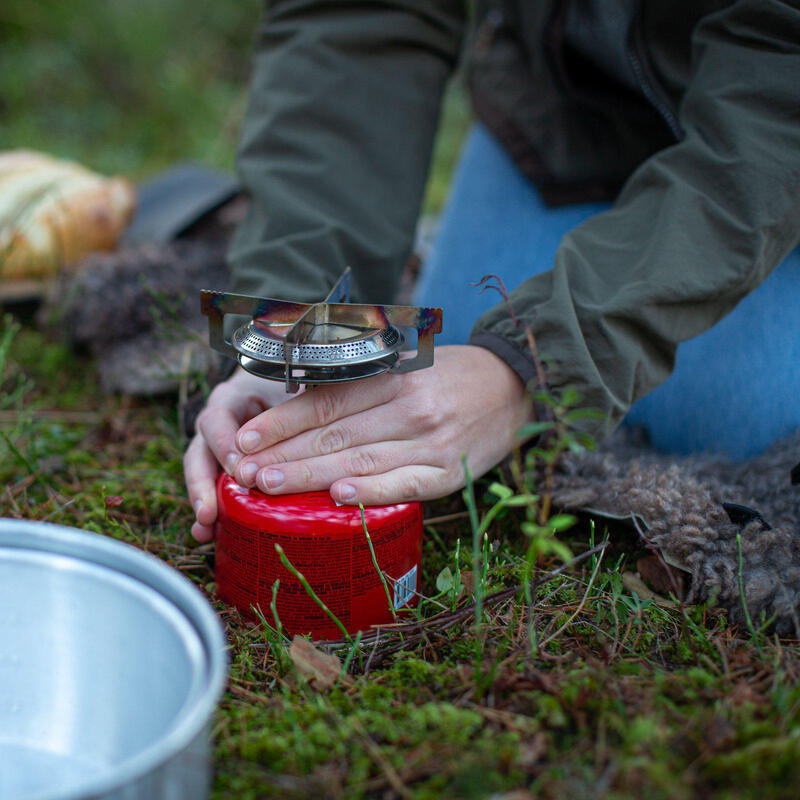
<point x="156" y="575"/>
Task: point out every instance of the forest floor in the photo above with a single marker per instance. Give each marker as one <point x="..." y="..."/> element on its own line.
<point x="567" y="684"/>
<point x="580" y="689"/>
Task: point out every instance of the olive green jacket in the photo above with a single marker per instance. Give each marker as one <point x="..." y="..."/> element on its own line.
<point x="687" y="113"/>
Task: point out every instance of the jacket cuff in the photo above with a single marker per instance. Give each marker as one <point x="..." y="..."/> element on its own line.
<point x="517" y="359"/>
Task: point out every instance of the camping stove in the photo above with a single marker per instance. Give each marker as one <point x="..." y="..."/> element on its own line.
<point x="327" y="342"/>
<point x="314" y="344"/>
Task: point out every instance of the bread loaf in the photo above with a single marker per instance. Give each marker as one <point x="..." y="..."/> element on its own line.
<point x="54" y="212"/>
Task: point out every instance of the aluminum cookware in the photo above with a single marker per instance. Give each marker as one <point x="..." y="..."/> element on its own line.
<point x="111" y="664"/>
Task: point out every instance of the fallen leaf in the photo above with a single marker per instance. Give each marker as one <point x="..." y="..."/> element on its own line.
<point x="633" y="583"/>
<point x="532" y="750"/>
<point x="660" y="577"/>
<point x="313" y="664"/>
<point x="575" y="498"/>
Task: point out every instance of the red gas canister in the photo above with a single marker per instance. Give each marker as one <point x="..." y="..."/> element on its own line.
<point x="327" y="544"/>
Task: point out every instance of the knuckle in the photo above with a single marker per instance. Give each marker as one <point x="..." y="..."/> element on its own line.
<point x="331" y="440"/>
<point x="383" y="493"/>
<point x="277" y="427"/>
<point x="305" y="473"/>
<point x="272" y="457"/>
<point x="325" y="407"/>
<point x="410" y="487"/>
<point x="426" y="413"/>
<point x="203" y="418"/>
<point x="452" y="477"/>
<point x="404" y="489"/>
<point x="362" y="462"/>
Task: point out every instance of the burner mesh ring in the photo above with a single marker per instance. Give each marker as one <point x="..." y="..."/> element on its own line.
<point x="256" y="345"/>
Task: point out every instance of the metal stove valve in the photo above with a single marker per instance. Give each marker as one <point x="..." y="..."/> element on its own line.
<point x="313" y="343"/>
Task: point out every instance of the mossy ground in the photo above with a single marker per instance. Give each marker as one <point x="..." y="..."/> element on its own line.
<point x="629" y="700"/>
<point x="614" y="697"/>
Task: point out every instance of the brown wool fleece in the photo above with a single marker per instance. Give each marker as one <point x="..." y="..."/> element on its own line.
<point x="137" y="311"/>
<point x="679" y="499"/>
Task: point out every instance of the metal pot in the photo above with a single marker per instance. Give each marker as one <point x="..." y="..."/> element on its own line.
<point x="111" y="665"/>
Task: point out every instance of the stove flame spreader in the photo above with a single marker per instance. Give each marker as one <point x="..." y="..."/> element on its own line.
<point x="332" y="341"/>
<point x="327" y="342"/>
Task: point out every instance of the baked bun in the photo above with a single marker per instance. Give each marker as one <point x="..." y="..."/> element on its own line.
<point x="54" y="212"/>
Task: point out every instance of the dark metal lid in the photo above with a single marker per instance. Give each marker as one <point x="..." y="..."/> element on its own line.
<point x="174" y="200"/>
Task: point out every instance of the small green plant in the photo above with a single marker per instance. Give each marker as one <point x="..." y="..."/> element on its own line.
<point x="13" y="386"/>
<point x="375" y="563"/>
<point x="448" y="582"/>
<point x="274" y="637"/>
<point x="310" y="592"/>
<point x="533" y="466"/>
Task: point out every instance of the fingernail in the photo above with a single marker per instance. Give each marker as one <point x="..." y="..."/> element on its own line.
<point x="273" y="478"/>
<point x="249" y="441"/>
<point x="198" y="504"/>
<point x="248" y="472"/>
<point x="347" y="492"/>
<point x="231" y="462"/>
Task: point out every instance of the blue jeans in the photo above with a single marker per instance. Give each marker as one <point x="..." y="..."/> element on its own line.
<point x="735" y="389"/>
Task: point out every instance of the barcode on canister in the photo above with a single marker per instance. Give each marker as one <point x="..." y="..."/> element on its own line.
<point x="405" y="587"/>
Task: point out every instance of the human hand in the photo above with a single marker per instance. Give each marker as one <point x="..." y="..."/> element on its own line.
<point x="392" y="438"/>
<point x="230" y="404"/>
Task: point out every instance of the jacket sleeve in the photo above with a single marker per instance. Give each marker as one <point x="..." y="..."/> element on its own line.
<point x="695" y="228"/>
<point x="337" y="141"/>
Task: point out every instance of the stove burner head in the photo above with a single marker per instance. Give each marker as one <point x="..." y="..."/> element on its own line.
<point x="326" y="342"/>
<point x="332" y="352"/>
